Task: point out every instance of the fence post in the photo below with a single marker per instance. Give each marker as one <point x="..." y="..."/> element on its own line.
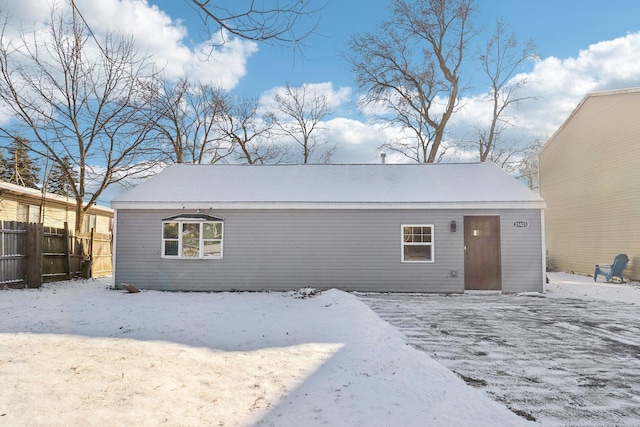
<point x="35" y="234"/>
<point x="67" y="251"/>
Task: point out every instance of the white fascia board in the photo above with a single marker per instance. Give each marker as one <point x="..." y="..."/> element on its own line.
<point x="527" y="204"/>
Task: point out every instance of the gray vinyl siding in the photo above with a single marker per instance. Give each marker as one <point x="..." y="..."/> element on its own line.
<point x="522" y="253"/>
<point x="354" y="250"/>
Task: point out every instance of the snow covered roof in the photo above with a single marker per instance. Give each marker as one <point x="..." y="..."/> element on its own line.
<point x="330" y="186"/>
<point x="18" y="191"/>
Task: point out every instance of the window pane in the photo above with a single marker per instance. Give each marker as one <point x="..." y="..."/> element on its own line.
<point x="22" y="213"/>
<point x="406" y="231"/>
<point x="34" y="213"/>
<point x="212" y="248"/>
<point x="171" y="248"/>
<point x="417" y="253"/>
<point x="212" y="230"/>
<point x="190" y="230"/>
<point x="190" y="240"/>
<point x="170" y="230"/>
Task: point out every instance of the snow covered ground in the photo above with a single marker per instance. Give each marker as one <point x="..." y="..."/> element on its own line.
<point x="80" y="353"/>
<point x="570" y="357"/>
<point x="77" y="353"/>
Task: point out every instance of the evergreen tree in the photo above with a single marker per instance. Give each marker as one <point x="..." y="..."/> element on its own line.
<point x="5" y="169"/>
<point x="20" y="169"/>
<point x="58" y="179"/>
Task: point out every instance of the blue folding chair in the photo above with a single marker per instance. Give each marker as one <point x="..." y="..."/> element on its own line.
<point x="609" y="271"/>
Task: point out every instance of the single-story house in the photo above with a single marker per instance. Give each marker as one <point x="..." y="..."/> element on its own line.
<point x="589" y="174"/>
<point x="23" y="204"/>
<point x="368" y="227"/>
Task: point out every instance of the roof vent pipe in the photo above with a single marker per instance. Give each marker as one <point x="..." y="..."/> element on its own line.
<point x="382" y="156"/>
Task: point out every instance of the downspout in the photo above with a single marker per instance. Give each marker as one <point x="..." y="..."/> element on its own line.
<point x="113" y="248"/>
<point x="543" y="238"/>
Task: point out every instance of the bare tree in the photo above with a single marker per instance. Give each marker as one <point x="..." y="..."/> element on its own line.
<point x="287" y="21"/>
<point x="75" y="98"/>
<point x="410" y="69"/>
<point x="187" y="126"/>
<point x="526" y="169"/>
<point x="250" y="131"/>
<point x="502" y="58"/>
<point x="299" y="112"/>
<point x="506" y="156"/>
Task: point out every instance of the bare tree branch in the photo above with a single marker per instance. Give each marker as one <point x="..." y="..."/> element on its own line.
<point x="251" y="132"/>
<point x="263" y="21"/>
<point x="526" y="169"/>
<point x="299" y="115"/>
<point x="73" y="100"/>
<point x="501" y="60"/>
<point x="410" y="69"/>
<point x="188" y="122"/>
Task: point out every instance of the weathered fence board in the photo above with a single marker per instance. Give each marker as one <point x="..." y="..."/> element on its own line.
<point x="12" y="254"/>
<point x="55" y="254"/>
<point x="101" y="250"/>
<point x="33" y="270"/>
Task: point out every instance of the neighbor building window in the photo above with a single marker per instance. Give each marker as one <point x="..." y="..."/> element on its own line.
<point x="192" y="236"/>
<point x="28" y="213"/>
<point x="417" y="243"/>
<point x="88" y="223"/>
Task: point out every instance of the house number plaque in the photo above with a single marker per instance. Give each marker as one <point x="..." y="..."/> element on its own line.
<point x="520" y="224"/>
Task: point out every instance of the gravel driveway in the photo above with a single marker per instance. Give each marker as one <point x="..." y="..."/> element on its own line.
<point x="557" y="361"/>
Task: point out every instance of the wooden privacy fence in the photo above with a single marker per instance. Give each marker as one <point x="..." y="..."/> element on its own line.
<point x="20" y="254"/>
<point x="31" y="254"/>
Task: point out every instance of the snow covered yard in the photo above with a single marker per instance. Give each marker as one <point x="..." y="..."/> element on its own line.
<point x="568" y="357"/>
<point x="78" y="353"/>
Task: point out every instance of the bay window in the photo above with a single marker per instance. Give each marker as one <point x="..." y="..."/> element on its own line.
<point x="192" y="237"/>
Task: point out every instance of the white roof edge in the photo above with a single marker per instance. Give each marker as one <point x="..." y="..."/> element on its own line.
<point x="524" y="204"/>
<point x="33" y="192"/>
<point x="584" y="99"/>
<point x="615" y="91"/>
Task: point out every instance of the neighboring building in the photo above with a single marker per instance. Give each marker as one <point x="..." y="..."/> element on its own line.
<point x="376" y="227"/>
<point x="24" y="204"/>
<point x="590" y="178"/>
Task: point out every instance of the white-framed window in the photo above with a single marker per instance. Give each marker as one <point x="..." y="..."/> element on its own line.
<point x="28" y="213"/>
<point x="417" y="243"/>
<point x="88" y="223"/>
<point x="192" y="237"/>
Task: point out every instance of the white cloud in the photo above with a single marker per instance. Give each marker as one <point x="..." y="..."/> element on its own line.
<point x="555" y="86"/>
<point x="25" y="12"/>
<point x="335" y="98"/>
<point x="155" y="33"/>
<point x="357" y="142"/>
<point x="360" y="142"/>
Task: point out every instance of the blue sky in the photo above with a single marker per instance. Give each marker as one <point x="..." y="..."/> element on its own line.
<point x="583" y="46"/>
<point x="561" y="28"/>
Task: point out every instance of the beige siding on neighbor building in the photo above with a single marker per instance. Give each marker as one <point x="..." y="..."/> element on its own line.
<point x="24" y="204"/>
<point x="590" y="179"/>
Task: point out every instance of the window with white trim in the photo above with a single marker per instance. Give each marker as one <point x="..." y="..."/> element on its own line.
<point x="192" y="237"/>
<point x="417" y="243"/>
